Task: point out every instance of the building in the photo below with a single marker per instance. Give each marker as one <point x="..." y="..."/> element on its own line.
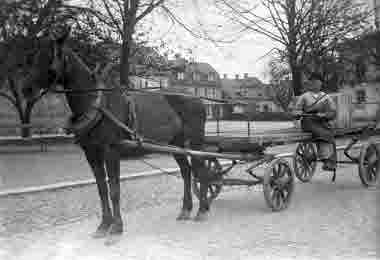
<point x="254" y="95"/>
<point x="199" y="79"/>
<point x="153" y="82"/>
<point x="365" y="99"/>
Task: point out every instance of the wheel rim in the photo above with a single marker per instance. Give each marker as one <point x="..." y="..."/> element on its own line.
<point x="305" y="161"/>
<point x="369" y="165"/>
<point x="213" y="189"/>
<point x="278" y="185"/>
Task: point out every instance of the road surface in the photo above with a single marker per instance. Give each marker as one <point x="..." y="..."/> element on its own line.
<point x="324" y="221"/>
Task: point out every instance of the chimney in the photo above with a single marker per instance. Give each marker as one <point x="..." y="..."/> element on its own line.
<point x="224" y="75"/>
<point x="236" y="76"/>
<point x="245" y="75"/>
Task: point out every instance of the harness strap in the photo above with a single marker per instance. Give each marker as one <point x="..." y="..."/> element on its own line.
<point x="120" y="124"/>
<point x="317" y="100"/>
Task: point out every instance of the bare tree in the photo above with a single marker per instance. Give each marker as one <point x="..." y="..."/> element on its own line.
<point x="306" y="29"/>
<point x="120" y="18"/>
<point x="20" y="23"/>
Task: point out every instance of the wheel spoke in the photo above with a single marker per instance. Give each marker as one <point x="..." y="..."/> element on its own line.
<point x="279" y="199"/>
<point x="282" y="198"/>
<point x="371" y="173"/>
<point x="272" y="195"/>
<point x="280" y="170"/>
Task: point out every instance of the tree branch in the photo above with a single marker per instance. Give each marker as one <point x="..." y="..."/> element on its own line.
<point x="149" y="9"/>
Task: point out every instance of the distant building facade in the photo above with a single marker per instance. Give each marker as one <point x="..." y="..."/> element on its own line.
<point x="254" y="95"/>
<point x="365" y="99"/>
<point x="199" y="79"/>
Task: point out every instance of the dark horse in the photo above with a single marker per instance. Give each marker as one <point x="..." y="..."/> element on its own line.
<point x="99" y="137"/>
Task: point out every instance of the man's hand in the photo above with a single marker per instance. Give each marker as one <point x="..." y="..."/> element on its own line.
<point x="296" y="114"/>
<point x="321" y="115"/>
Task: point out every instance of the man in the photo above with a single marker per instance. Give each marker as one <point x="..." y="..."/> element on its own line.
<point x="316" y="109"/>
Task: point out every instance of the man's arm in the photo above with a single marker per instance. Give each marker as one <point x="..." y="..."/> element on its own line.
<point x="330" y="109"/>
<point x="298" y="108"/>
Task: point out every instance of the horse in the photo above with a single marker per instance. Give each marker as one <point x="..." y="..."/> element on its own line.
<point x="99" y="137"/>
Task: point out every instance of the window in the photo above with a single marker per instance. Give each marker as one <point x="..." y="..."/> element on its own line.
<point x="361" y="96"/>
<point x="206" y="92"/>
<point x="211" y="76"/>
<point x="214" y="92"/>
<point x="266" y="108"/>
<point x="146" y="84"/>
<point x="180" y="76"/>
<point x="196" y="76"/>
<point x="209" y="111"/>
<point x="196" y="92"/>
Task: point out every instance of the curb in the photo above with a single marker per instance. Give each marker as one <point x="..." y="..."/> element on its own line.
<point x="86" y="182"/>
<point x="73" y="184"/>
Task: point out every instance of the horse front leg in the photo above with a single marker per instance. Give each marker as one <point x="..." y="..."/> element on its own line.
<point x="112" y="158"/>
<point x="95" y="158"/>
<point x="187" y="202"/>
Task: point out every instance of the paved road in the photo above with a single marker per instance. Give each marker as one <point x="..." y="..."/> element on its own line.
<point x="324" y="221"/>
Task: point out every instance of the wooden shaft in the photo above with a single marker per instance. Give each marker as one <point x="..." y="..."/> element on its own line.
<point x="184" y="151"/>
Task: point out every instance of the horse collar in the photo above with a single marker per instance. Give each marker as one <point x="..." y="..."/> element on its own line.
<point x="81" y="125"/>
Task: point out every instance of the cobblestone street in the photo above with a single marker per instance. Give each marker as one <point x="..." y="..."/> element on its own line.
<point x="324" y="221"/>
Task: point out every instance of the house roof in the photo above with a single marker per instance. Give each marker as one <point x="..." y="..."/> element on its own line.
<point x="232" y="86"/>
<point x="201" y="67"/>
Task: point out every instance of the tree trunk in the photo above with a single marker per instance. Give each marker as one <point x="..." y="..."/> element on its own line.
<point x="26" y="131"/>
<point x="124" y="66"/>
<point x="128" y="30"/>
<point x="297" y="80"/>
<point x="292" y="48"/>
<point x="26" y="119"/>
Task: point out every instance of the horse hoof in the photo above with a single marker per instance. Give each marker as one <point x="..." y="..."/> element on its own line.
<point x="100" y="233"/>
<point x="201" y="216"/>
<point x="102" y="230"/>
<point x="116" y="228"/>
<point x="113" y="239"/>
<point x="184" y="215"/>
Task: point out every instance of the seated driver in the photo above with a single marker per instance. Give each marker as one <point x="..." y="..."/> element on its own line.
<point x="317" y="109"/>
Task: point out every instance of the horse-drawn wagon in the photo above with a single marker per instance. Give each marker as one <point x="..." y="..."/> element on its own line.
<point x="103" y="120"/>
<point x="278" y="179"/>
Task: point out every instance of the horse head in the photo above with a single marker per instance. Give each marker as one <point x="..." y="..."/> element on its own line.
<point x="48" y="66"/>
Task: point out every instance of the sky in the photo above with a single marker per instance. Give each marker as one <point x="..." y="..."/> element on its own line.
<point x="247" y="54"/>
<point x="244" y="55"/>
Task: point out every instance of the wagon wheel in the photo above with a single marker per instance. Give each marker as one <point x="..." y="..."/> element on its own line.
<point x="278" y="184"/>
<point x="369" y="164"/>
<point x="305" y="161"/>
<point x="214" y="169"/>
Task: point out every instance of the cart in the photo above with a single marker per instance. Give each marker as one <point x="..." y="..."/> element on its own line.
<point x="306" y="157"/>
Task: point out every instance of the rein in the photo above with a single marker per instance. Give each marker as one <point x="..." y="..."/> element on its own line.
<point x="147" y="90"/>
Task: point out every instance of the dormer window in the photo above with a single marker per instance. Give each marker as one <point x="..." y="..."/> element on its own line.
<point x="211" y="76"/>
<point x="196" y="76"/>
<point x="180" y="76"/>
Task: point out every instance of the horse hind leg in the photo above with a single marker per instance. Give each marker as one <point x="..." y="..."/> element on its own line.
<point x="198" y="166"/>
<point x="112" y="159"/>
<point x="95" y="158"/>
<point x="187" y="202"/>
